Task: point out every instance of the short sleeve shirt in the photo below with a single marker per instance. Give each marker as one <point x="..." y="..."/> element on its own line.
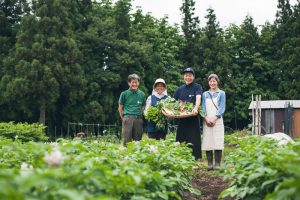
<point x="132" y="102"/>
<point x="188" y="93"/>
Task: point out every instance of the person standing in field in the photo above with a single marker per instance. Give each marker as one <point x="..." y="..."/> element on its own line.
<point x="131" y="106"/>
<point x="213" y="105"/>
<point x="159" y="93"/>
<point x="189" y="128"/>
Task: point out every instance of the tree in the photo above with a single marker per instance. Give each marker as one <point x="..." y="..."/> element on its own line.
<point x="249" y="68"/>
<point x="43" y="70"/>
<point x="161" y="43"/>
<point x="11" y="13"/>
<point x="191" y="52"/>
<point x="287" y="42"/>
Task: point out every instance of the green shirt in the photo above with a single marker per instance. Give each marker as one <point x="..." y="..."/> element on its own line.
<point x="132" y="102"/>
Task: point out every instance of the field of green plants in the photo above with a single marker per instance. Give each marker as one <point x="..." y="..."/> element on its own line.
<point x="31" y="167"/>
<point x="93" y="169"/>
<point x="259" y="169"/>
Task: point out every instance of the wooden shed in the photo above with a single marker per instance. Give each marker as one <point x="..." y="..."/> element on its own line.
<point x="280" y="116"/>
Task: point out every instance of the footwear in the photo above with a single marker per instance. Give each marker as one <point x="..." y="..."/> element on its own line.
<point x="218" y="157"/>
<point x="209" y="156"/>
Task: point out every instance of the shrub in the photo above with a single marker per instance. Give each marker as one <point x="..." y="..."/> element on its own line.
<point x="23" y="131"/>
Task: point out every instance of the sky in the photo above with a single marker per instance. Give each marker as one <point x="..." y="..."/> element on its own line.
<point x="227" y="11"/>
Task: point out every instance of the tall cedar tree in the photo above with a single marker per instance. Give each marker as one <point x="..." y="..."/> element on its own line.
<point x="11" y="12"/>
<point x="43" y="70"/>
<point x="287" y="42"/>
<point x="191" y="51"/>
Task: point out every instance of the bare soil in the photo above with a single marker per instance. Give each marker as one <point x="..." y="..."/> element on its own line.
<point x="210" y="183"/>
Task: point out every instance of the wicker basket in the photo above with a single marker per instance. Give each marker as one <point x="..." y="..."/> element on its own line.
<point x="169" y="114"/>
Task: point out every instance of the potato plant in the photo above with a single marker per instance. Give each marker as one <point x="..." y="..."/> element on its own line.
<point x="261" y="169"/>
<point x="81" y="169"/>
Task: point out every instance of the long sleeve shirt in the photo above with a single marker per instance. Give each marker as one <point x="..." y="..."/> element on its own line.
<point x="221" y="101"/>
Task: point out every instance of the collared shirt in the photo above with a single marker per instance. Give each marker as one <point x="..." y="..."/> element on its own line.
<point x="188" y="93"/>
<point x="132" y="102"/>
<point x="221" y="99"/>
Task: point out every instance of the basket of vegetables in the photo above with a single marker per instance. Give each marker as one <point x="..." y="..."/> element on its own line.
<point x="170" y="108"/>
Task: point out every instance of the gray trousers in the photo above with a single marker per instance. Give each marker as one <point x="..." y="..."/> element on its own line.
<point x="132" y="128"/>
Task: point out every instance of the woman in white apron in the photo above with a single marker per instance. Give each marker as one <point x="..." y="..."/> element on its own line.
<point x="213" y="104"/>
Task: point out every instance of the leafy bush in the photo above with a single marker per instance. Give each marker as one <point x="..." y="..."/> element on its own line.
<point x="260" y="169"/>
<point x="23" y="131"/>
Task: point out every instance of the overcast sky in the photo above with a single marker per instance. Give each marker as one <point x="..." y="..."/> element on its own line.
<point x="227" y="11"/>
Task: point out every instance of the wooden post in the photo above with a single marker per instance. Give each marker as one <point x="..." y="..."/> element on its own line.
<point x="259" y="115"/>
<point x="253" y="117"/>
<point x="256" y="115"/>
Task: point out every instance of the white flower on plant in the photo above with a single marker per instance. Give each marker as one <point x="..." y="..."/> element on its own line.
<point x="54" y="158"/>
<point x="53" y="144"/>
<point x="16" y="137"/>
<point x="126" y="157"/>
<point x="153" y="149"/>
<point x="97" y="159"/>
<point x="122" y="148"/>
<point x="177" y="143"/>
<point x="95" y="142"/>
<point x="26" y="167"/>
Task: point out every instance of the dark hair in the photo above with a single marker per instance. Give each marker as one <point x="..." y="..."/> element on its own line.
<point x="133" y="77"/>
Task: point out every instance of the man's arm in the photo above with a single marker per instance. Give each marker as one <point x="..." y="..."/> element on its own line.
<point x="120" y="108"/>
<point x="197" y="104"/>
<point x="143" y="109"/>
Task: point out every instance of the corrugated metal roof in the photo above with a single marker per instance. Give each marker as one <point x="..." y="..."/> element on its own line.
<point x="276" y="104"/>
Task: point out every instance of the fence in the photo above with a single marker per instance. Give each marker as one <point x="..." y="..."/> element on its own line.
<point x="73" y="128"/>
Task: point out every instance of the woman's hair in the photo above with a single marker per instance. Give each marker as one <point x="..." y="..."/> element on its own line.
<point x="213" y="76"/>
<point x="133" y="77"/>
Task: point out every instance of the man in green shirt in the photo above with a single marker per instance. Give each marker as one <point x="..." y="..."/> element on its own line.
<point x="131" y="106"/>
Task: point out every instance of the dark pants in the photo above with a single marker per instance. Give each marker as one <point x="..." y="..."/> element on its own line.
<point x="189" y="131"/>
<point x="132" y="128"/>
<point x="158" y="135"/>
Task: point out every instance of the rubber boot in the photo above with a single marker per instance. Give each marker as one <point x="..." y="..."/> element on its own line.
<point x="209" y="156"/>
<point x="218" y="157"/>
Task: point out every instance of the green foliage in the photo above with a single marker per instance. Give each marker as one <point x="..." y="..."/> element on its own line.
<point x="191" y="29"/>
<point x="23" y="131"/>
<point x="154" y="114"/>
<point x="147" y="169"/>
<point x="260" y="169"/>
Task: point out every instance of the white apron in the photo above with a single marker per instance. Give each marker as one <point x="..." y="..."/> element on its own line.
<point x="213" y="137"/>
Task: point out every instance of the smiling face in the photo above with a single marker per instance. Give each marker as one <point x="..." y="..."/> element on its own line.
<point x="188" y="77"/>
<point x="213" y="83"/>
<point x="160" y="88"/>
<point x="134" y="84"/>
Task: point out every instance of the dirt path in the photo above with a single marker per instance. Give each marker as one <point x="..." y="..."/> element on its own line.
<point x="210" y="183"/>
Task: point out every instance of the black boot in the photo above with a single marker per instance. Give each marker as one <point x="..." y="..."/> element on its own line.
<point x="209" y="157"/>
<point x="218" y="157"/>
